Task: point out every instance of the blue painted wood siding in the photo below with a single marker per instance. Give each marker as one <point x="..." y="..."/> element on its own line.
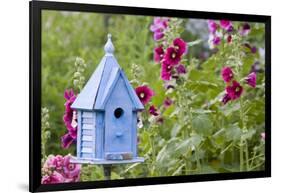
<point x="88" y="136"/>
<point x="118" y="131"/>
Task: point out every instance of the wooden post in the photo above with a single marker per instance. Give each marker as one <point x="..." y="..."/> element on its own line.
<point x="107" y="171"/>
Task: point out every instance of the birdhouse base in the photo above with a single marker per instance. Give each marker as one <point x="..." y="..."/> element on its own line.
<point x="103" y="161"/>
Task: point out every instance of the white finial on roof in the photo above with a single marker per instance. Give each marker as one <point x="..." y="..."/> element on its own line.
<point x="108" y="47"/>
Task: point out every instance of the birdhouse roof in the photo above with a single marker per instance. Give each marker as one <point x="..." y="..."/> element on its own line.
<point x="98" y="88"/>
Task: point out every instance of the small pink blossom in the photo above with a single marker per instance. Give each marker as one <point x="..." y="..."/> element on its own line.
<point x="213" y="26"/>
<point x="251" y="79"/>
<point x="158" y="27"/>
<point x="227" y="74"/>
<point x="226" y="24"/>
<point x="144" y="93"/>
<point x="54" y="178"/>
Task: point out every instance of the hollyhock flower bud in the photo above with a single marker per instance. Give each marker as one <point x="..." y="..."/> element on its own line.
<point x="245" y="29"/>
<point x="225" y="99"/>
<point x="251" y="79"/>
<point x="153" y="110"/>
<point x="158" y="53"/>
<point x="181" y="69"/>
<point x="168" y="102"/>
<point x="166" y="71"/>
<point x="227" y="74"/>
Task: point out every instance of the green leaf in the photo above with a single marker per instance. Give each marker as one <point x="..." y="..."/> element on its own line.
<point x="202" y="124"/>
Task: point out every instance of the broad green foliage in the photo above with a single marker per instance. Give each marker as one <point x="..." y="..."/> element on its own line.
<point x="197" y="133"/>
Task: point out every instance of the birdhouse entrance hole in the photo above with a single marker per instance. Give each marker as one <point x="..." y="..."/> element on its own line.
<point x="118" y="112"/>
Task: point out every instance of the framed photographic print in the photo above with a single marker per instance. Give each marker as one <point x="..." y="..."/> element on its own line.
<point x="124" y="96"/>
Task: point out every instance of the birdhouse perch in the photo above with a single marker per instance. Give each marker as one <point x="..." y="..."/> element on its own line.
<point x="107" y="115"/>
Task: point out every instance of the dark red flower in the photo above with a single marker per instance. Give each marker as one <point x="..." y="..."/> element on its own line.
<point x="227" y="74"/>
<point x="166" y="70"/>
<point x="235" y="90"/>
<point x="180" y="45"/>
<point x="153" y="110"/>
<point x="225" y="99"/>
<point x="168" y="102"/>
<point x="229" y="39"/>
<point x="144" y="93"/>
<point x="181" y="69"/>
<point x="251" y="79"/>
<point x="158" y="53"/>
<point x="172" y="56"/>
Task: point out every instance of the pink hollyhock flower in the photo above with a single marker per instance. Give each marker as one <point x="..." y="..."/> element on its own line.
<point x="181" y="69"/>
<point x="213" y="26"/>
<point x="71" y="170"/>
<point x="153" y="110"/>
<point x="55" y="162"/>
<point x="69" y="119"/>
<point x="158" y="53"/>
<point x="166" y="71"/>
<point x="245" y="29"/>
<point x="251" y="79"/>
<point x="235" y="90"/>
<point x="225" y="99"/>
<point x="180" y="45"/>
<point x="227" y="74"/>
<point x="263" y="135"/>
<point x="168" y="102"/>
<point x="226" y="24"/>
<point x="144" y="93"/>
<point x="172" y="56"/>
<point x="158" y="27"/>
<point x="214" y="40"/>
<point x="54" y="178"/>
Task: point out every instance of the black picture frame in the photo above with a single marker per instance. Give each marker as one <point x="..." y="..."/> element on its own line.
<point x="36" y="7"/>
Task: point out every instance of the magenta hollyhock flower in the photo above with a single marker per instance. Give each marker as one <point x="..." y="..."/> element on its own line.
<point x="251" y="79"/>
<point x="225" y="99"/>
<point x="158" y="27"/>
<point x="235" y="90"/>
<point x="168" y="102"/>
<point x="144" y="93"/>
<point x="55" y="162"/>
<point x="245" y="29"/>
<point x="158" y="53"/>
<point x="180" y="45"/>
<point x="166" y="71"/>
<point x="263" y="135"/>
<point x="216" y="40"/>
<point x="227" y="74"/>
<point x="212" y="25"/>
<point x="71" y="170"/>
<point x="153" y="110"/>
<point x="67" y="140"/>
<point x="226" y="24"/>
<point x="181" y="69"/>
<point x="54" y="178"/>
<point x="172" y="56"/>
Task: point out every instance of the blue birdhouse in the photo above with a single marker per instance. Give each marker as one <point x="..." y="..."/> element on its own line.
<point x="107" y="110"/>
